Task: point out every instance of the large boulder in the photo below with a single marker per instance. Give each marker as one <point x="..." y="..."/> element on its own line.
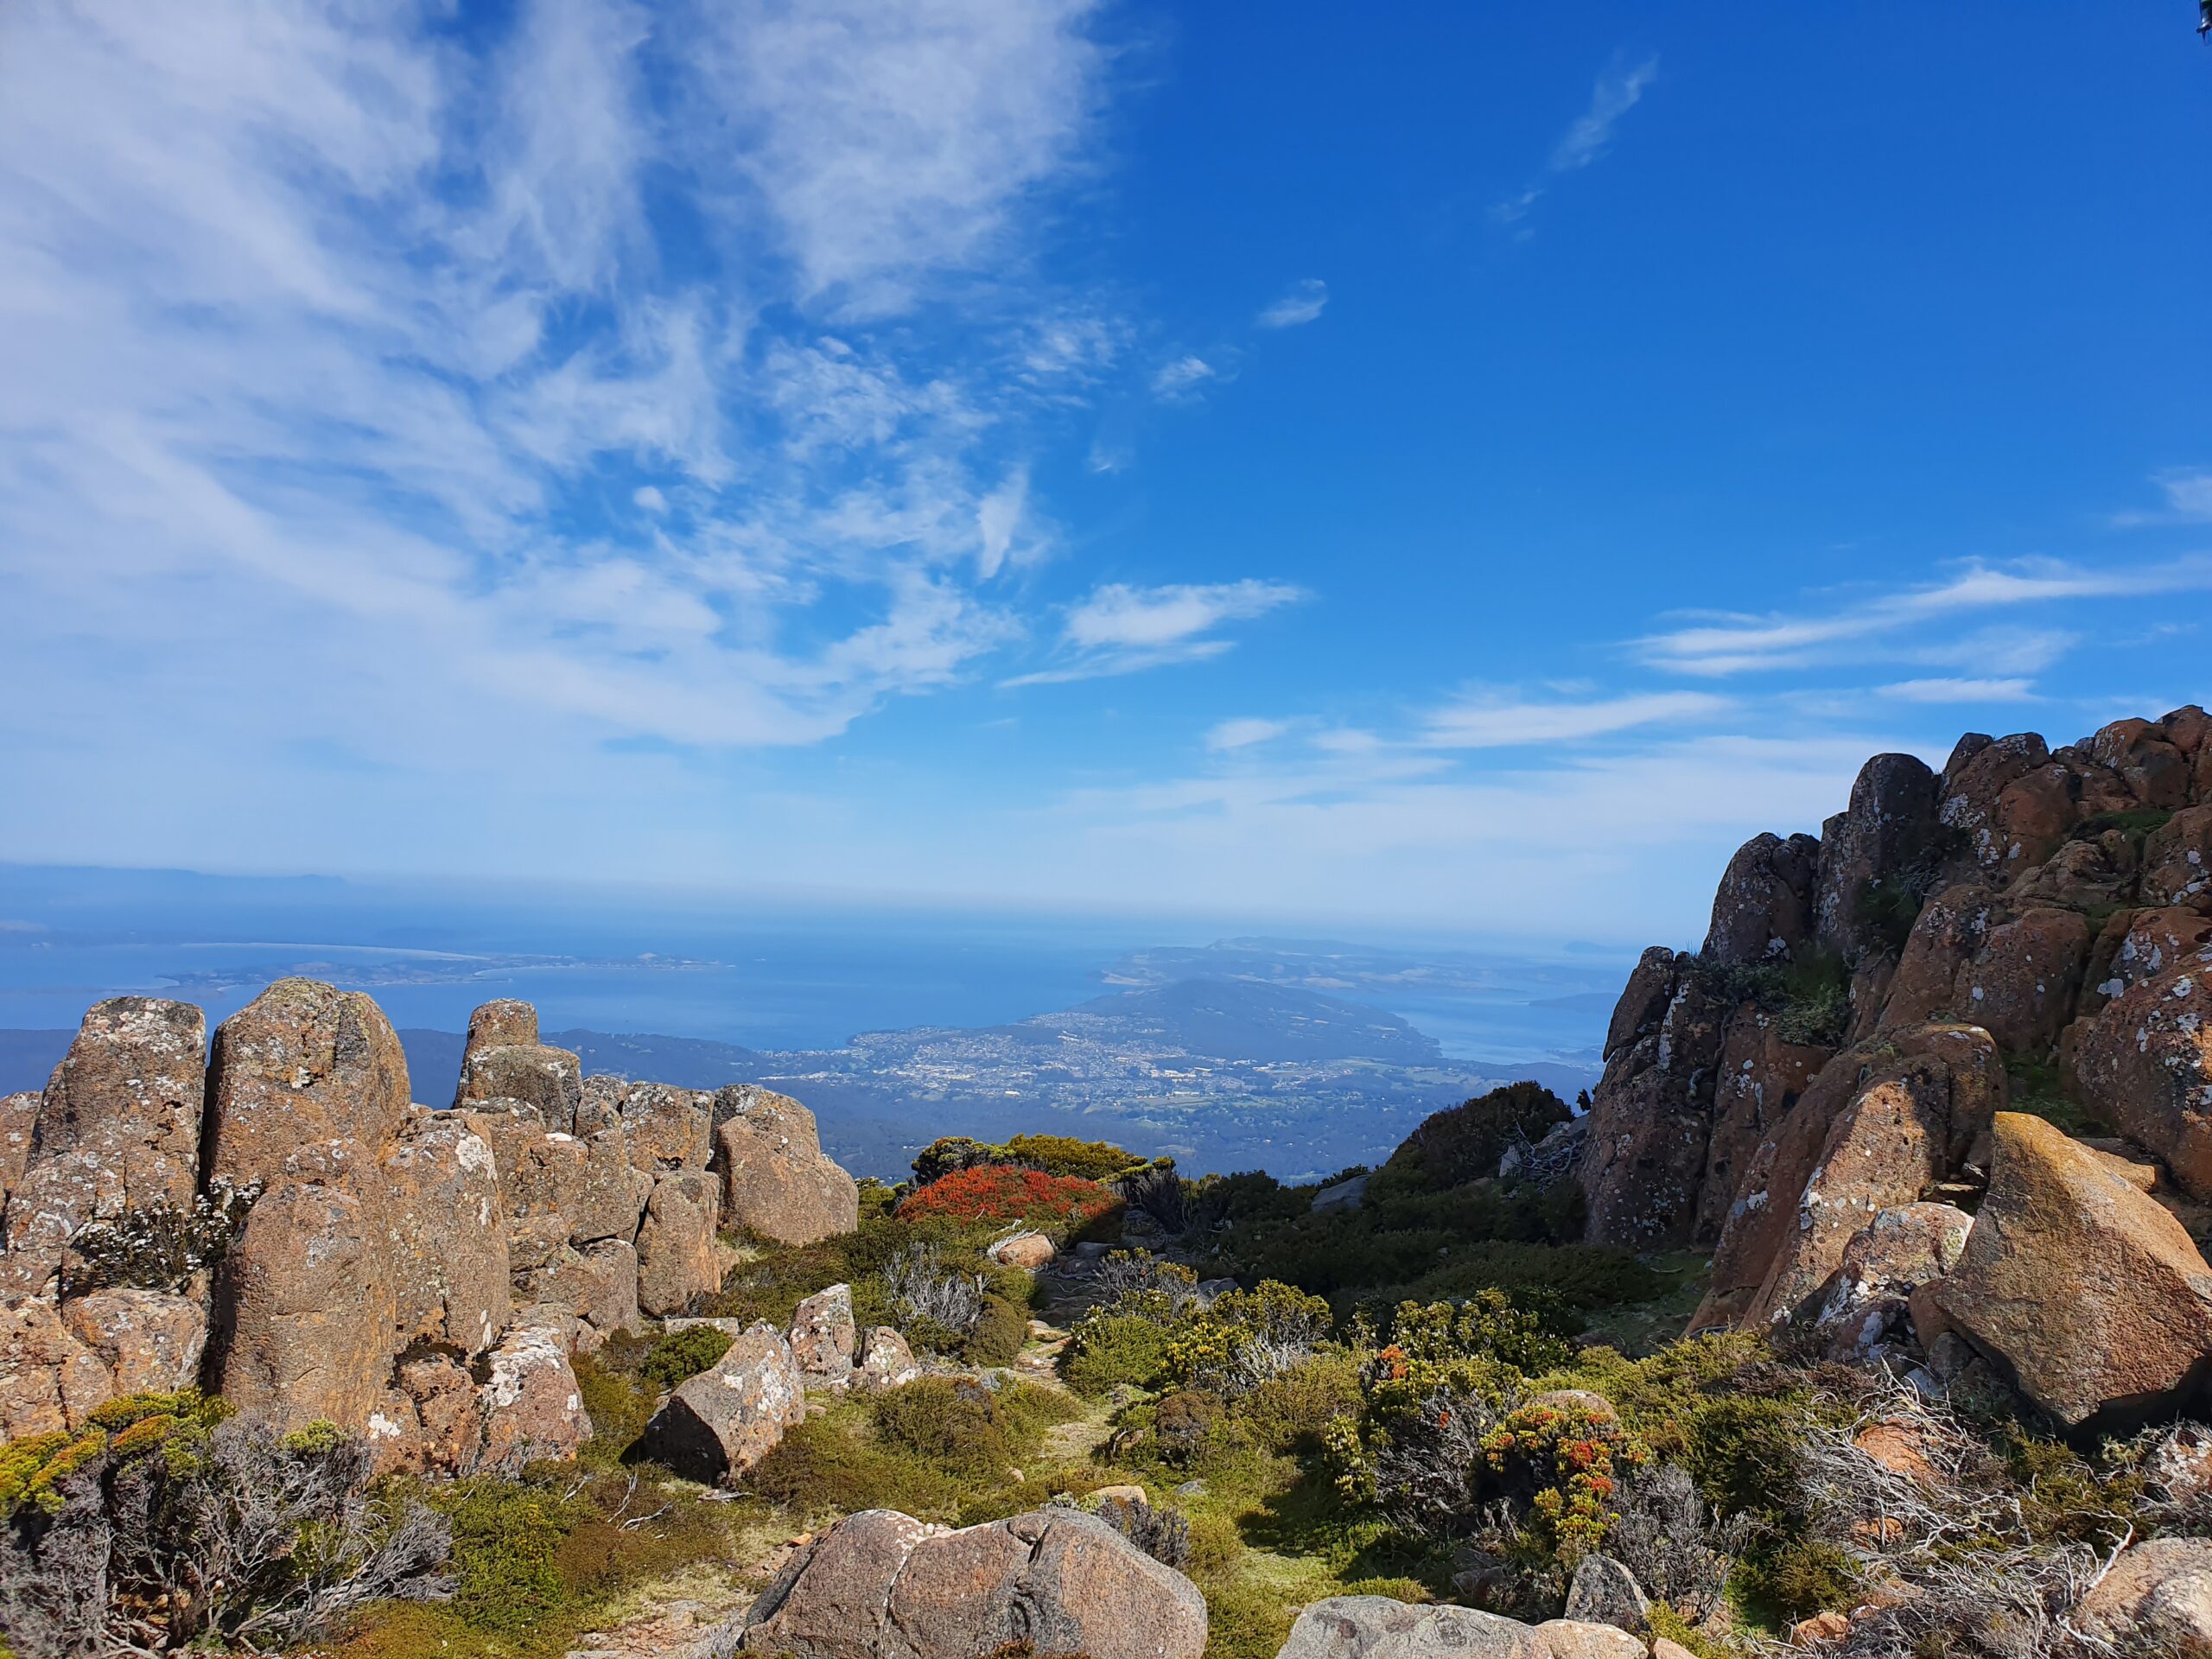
<point x="677" y="1254"/>
<point x="2178" y="860"/>
<point x="131" y="1092"/>
<point x="823" y="1337"/>
<point x="303" y="1061"/>
<point x="443" y="1235"/>
<point x="1763" y="911"/>
<point x="1888" y="830"/>
<point x="716" y="1425"/>
<point x="597" y="1282"/>
<point x="551" y="1080"/>
<point x="49" y="1380"/>
<point x="2157" y="1599"/>
<point x="1866" y="1300"/>
<point x="667" y="1127"/>
<point x="1980" y="770"/>
<point x="2012" y="971"/>
<point x="502" y="1022"/>
<point x="885" y="1362"/>
<point x="149" y="1340"/>
<point x="1776" y="1248"/>
<point x="530" y="1407"/>
<point x="1886" y="1149"/>
<point x="2079" y="1286"/>
<point x="776" y="1181"/>
<point x="1375" y="1627"/>
<point x="1055" y="1581"/>
<point x="305" y="1311"/>
<point x="2146" y="1067"/>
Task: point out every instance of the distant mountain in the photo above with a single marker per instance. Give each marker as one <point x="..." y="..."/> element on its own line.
<point x="1224" y="1072"/>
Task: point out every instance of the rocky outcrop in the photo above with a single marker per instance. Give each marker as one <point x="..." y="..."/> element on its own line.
<point x="530" y="1408"/>
<point x="147" y="1340"/>
<point x="447" y="1252"/>
<point x="776" y="1182"/>
<point x="1771" y="1094"/>
<point x="2146" y="1067"/>
<point x="1881" y="1123"/>
<point x="1763" y="910"/>
<point x="551" y="1080"/>
<point x="2078" y="1287"/>
<point x="130" y="1093"/>
<point x="677" y="1257"/>
<point x="717" y="1425"/>
<point x="420" y="1277"/>
<point x="1886" y="832"/>
<point x="305" y="1310"/>
<point x="1055" y="1581"/>
<point x="1651" y="1116"/>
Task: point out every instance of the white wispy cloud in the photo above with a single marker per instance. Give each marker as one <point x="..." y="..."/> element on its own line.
<point x="1231" y="734"/>
<point x="1182" y="377"/>
<point x="1507" y="722"/>
<point x="1119" y="628"/>
<point x="2188" y="490"/>
<point x="322" y="326"/>
<point x="1729" y="644"/>
<point x="1945" y="691"/>
<point x="1302" y="304"/>
<point x="1618" y="92"/>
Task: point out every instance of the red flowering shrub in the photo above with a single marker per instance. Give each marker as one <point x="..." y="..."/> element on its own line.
<point x="1000" y="1192"/>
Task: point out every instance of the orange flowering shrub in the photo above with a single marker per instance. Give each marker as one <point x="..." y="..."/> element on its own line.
<point x="1572" y="1454"/>
<point x="1002" y="1192"/>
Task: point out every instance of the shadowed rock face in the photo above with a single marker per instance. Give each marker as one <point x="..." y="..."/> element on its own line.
<point x="2055" y="904"/>
<point x="717" y="1425"/>
<point x="881" y="1586"/>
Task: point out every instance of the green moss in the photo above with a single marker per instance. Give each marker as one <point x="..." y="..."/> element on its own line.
<point x="2034" y="1087"/>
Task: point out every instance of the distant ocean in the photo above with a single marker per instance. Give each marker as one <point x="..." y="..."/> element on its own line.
<point x="787" y="979"/>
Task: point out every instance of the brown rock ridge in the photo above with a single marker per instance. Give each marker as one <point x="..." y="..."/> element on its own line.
<point x="2032" y="921"/>
<point x="420" y="1276"/>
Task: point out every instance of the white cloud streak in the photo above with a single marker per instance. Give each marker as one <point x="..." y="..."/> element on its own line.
<point x="1119" y="628"/>
<point x="1301" y="305"/>
<point x="1618" y="92"/>
<point x="1506" y="721"/>
<point x="1739" y="644"/>
<point x="1229" y="735"/>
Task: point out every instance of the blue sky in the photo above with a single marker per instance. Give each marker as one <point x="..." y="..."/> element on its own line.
<point x="1468" y="466"/>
